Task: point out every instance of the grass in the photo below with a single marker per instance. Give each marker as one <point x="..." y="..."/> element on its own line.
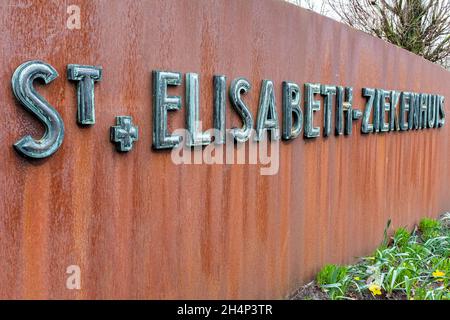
<point x="409" y="265"/>
<point x="333" y="279"/>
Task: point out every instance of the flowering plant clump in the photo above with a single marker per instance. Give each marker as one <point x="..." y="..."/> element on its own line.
<point x="408" y="265"/>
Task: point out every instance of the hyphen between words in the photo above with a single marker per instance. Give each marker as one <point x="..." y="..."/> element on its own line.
<point x="385" y="110"/>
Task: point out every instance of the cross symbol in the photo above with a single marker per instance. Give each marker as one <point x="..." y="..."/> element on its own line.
<point x="124" y="133"/>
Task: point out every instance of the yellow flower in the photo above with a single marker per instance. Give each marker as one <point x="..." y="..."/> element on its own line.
<point x="438" y="274"/>
<point x="357" y="278"/>
<point x="375" y="289"/>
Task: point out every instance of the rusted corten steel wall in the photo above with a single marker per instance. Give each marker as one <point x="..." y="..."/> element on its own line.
<point x="140" y="226"/>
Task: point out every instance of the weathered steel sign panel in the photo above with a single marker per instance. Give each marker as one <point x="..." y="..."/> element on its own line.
<point x="174" y="149"/>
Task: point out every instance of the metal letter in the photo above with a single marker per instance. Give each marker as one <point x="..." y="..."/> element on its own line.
<point x="194" y="137"/>
<point x="423" y="108"/>
<point x="441" y="111"/>
<point x="238" y="87"/>
<point x="161" y="104"/>
<point x="267" y="112"/>
<point x="393" y="119"/>
<point x="327" y="92"/>
<point x="432" y="104"/>
<point x="384" y="107"/>
<point x="413" y="116"/>
<point x="311" y="106"/>
<point x="85" y="75"/>
<point x="367" y="127"/>
<point x="405" y="106"/>
<point x="220" y="89"/>
<point x="292" y="126"/>
<point x="344" y="106"/>
<point x="22" y="85"/>
<point x="377" y="110"/>
<point x="348" y="108"/>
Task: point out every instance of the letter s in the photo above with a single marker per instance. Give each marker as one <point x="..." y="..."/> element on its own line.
<point x="22" y="85"/>
<point x="239" y="86"/>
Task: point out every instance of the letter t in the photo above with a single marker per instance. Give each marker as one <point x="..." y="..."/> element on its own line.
<point x="85" y="75"/>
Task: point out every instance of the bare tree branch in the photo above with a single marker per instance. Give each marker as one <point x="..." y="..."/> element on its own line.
<point x="420" y="26"/>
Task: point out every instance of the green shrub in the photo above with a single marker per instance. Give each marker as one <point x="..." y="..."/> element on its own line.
<point x="429" y="228"/>
<point x="401" y="237"/>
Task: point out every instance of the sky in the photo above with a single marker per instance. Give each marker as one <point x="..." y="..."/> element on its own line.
<point x="317" y="5"/>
